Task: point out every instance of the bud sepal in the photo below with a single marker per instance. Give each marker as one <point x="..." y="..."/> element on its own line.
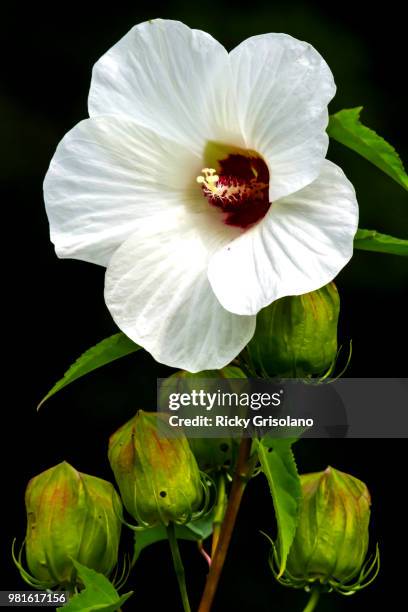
<point x="367" y="575"/>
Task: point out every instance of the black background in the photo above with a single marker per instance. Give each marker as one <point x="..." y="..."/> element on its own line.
<point x="54" y="309"/>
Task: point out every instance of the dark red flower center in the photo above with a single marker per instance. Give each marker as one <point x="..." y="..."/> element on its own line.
<point x="240" y="189"/>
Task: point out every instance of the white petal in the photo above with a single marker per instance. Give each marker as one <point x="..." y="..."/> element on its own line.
<point x="158" y="293"/>
<point x="106" y="175"/>
<point x="301" y="244"/>
<point x="283" y="87"/>
<point x="171" y="79"/>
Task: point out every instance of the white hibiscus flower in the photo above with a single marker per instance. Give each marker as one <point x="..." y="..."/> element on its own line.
<point x="200" y="181"/>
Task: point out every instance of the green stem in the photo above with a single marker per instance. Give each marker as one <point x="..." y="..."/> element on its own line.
<point x="313" y="601"/>
<point x="219" y="514"/>
<point x="178" y="566"/>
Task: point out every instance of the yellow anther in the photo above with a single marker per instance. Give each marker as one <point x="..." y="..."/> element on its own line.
<point x="209" y="179"/>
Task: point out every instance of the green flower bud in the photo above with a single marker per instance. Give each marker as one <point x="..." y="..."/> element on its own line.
<point x="296" y="336"/>
<point x="70" y="516"/>
<point x="156" y="471"/>
<point x="331" y="540"/>
<point x="214" y="454"/>
<point x="185" y="382"/>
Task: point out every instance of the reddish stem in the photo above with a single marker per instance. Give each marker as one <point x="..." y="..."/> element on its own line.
<point x="241" y="476"/>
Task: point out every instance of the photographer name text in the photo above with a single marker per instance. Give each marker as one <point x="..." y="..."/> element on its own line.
<point x="237" y="421"/>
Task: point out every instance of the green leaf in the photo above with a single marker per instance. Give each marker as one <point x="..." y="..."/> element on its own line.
<point x="278" y="465"/>
<point x="98" y="594"/>
<point x="194" y="531"/>
<point x="345" y="127"/>
<point x="104" y="352"/>
<point x="371" y="240"/>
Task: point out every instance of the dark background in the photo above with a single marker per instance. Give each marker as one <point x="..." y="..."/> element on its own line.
<point x="54" y="309"/>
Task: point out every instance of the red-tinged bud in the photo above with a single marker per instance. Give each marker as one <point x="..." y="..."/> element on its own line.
<point x="70" y="516"/>
<point x="156" y="471"/>
<point x="331" y="540"/>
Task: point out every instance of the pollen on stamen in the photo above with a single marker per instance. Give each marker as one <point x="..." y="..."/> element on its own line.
<point x="209" y="179"/>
